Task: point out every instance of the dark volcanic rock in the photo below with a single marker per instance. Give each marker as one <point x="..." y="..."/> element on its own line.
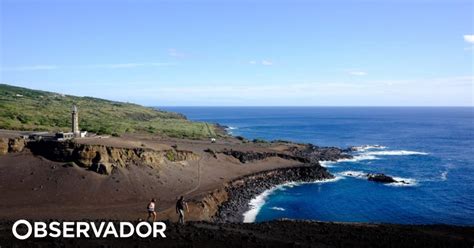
<point x="283" y="233"/>
<point x="250" y="156"/>
<point x="316" y="153"/>
<point x="242" y="190"/>
<point x="381" y="178"/>
<point x="308" y="154"/>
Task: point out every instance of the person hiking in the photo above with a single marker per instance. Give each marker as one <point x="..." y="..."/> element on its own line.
<point x="151" y="210"/>
<point x="181" y="205"/>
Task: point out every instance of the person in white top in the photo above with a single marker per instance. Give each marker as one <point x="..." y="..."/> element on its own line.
<point x="151" y="210"/>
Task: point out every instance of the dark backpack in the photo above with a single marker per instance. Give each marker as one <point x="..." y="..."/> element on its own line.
<point x="180" y="204"/>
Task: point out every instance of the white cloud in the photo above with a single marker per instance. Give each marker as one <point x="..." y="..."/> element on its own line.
<point x="452" y="91"/>
<point x="252" y="62"/>
<point x="267" y="62"/>
<point x="447" y="91"/>
<point x="469" y="38"/>
<point x="358" y="73"/>
<point x="30" y="68"/>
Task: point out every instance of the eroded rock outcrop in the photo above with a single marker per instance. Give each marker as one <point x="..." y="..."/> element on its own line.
<point x="103" y="159"/>
<point x="207" y="207"/>
<point x="11" y="145"/>
<point x="16" y="145"/>
<point x="3" y="146"/>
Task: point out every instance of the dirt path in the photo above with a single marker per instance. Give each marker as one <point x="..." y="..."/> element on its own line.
<point x="198" y="178"/>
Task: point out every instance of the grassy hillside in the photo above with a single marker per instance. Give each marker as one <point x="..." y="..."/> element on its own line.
<point x="26" y="109"/>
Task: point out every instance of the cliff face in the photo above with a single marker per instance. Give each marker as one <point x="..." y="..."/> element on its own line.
<point x="11" y="145"/>
<point x="207" y="207"/>
<point x="104" y="159"/>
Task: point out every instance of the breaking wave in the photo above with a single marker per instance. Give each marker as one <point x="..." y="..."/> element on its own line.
<point x="444" y="175"/>
<point x="256" y="204"/>
<point x="368" y="147"/>
<point x="401" y="181"/>
<point x="356" y="174"/>
<point x="277" y="208"/>
<point x="327" y="164"/>
<point x="394" y="153"/>
<point x="359" y="157"/>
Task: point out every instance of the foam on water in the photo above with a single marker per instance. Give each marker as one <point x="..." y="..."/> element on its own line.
<point x="327" y="164"/>
<point x="356" y="174"/>
<point x="444" y="175"/>
<point x="366" y="153"/>
<point x="368" y="147"/>
<point x="394" y="153"/>
<point x="403" y="182"/>
<point x="256" y="203"/>
<point x="358" y="158"/>
<point x="277" y="208"/>
<point x="363" y="175"/>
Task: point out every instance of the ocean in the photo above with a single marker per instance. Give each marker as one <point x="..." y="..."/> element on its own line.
<point x="430" y="148"/>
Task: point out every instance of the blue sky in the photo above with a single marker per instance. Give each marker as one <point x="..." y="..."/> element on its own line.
<point x="241" y="53"/>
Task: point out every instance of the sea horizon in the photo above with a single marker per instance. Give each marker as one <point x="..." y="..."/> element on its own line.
<point x="302" y="106"/>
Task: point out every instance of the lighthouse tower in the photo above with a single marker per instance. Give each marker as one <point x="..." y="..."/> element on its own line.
<point x="75" y="122"/>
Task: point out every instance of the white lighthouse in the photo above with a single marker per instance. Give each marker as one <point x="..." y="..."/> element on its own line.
<point x="75" y="122"/>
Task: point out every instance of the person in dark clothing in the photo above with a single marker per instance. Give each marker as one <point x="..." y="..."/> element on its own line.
<point x="181" y="205"/>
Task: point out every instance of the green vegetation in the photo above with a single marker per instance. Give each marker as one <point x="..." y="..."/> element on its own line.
<point x="26" y="109"/>
<point x="170" y="156"/>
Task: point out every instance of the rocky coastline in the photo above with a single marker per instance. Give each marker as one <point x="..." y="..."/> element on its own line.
<point x="242" y="190"/>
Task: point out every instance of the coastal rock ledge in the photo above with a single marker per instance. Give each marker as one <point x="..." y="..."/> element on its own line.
<point x="242" y="190"/>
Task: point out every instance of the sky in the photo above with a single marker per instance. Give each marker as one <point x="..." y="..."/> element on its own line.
<point x="243" y="53"/>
